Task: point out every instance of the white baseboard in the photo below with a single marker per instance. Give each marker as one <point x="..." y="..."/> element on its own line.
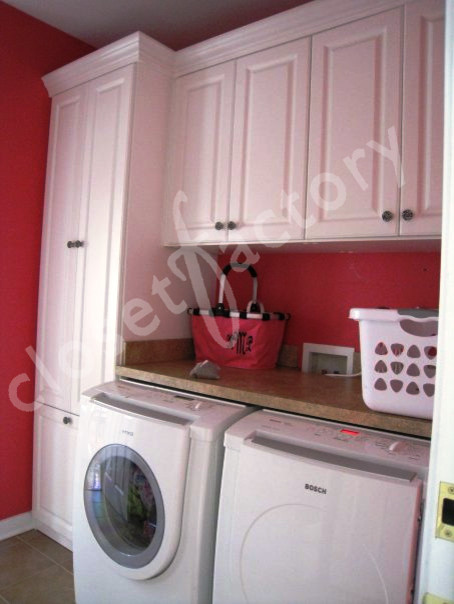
<point x="53" y="534"/>
<point x="9" y="527"/>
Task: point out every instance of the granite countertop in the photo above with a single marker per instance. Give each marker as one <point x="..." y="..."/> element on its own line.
<point x="284" y="389"/>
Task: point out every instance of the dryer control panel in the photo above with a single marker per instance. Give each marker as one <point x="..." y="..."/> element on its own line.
<point x="398" y="450"/>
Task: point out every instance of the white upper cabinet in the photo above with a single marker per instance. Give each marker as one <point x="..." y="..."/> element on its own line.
<point x="198" y="190"/>
<point x="335" y="135"/>
<point x="421" y="193"/>
<point x="238" y="149"/>
<point x="270" y="144"/>
<point x="354" y="140"/>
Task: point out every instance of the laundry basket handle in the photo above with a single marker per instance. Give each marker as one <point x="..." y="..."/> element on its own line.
<point x="253" y="304"/>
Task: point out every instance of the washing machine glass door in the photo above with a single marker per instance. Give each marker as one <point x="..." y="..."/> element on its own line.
<point x="124" y="506"/>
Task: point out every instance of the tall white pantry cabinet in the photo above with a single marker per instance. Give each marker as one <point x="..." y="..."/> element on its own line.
<point x="102" y="208"/>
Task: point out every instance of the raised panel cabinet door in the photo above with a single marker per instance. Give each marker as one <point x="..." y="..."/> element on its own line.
<point x="54" y="456"/>
<point x="101" y="226"/>
<point x="198" y="186"/>
<point x="422" y="142"/>
<point x="268" y="185"/>
<point x="355" y="124"/>
<point x="57" y="290"/>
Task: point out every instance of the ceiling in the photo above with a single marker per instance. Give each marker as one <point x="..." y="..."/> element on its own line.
<point x="175" y="23"/>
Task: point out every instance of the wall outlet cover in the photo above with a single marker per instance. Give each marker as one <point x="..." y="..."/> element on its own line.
<point x="323" y="358"/>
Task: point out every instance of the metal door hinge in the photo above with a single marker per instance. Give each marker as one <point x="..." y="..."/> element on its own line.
<point x="445" y="513"/>
<point x="430" y="599"/>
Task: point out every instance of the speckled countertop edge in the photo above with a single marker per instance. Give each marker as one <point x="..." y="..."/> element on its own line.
<point x="282" y="389"/>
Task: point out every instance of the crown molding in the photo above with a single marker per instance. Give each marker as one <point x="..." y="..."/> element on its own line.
<point x="284" y="27"/>
<point x="293" y="24"/>
<point x="134" y="48"/>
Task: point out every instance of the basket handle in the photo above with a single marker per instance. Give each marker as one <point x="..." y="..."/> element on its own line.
<point x="421" y="315"/>
<point x="253" y="305"/>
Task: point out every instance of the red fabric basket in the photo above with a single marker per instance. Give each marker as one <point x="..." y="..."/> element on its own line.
<point x="249" y="339"/>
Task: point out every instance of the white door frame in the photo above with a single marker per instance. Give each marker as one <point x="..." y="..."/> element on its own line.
<point x="437" y="571"/>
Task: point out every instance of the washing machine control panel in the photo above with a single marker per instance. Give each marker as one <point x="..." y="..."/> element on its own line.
<point x="153" y="395"/>
<point x="206" y="418"/>
<point x="340" y="439"/>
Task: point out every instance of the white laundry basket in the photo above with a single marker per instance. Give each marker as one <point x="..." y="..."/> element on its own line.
<point x="398" y="359"/>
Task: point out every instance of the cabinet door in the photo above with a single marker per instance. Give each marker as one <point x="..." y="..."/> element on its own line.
<point x="269" y="144"/>
<point x="53" y="472"/>
<point x="79" y="287"/>
<point x="354" y="144"/>
<point x="57" y="290"/>
<point x="197" y="194"/>
<point x="101" y="222"/>
<point x="423" y="117"/>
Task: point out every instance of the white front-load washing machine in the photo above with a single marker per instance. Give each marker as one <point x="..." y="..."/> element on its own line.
<point x="313" y="512"/>
<point x="148" y="469"/>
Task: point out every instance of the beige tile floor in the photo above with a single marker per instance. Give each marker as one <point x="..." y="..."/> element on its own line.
<point x="35" y="570"/>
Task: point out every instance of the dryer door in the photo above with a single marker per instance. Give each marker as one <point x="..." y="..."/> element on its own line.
<point x="124" y="506"/>
<point x="301" y="526"/>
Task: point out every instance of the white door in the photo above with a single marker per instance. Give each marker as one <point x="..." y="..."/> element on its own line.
<point x="354" y="140"/>
<point x="267" y="198"/>
<point x="422" y="135"/>
<point x="438" y="554"/>
<point x="53" y="473"/>
<point x="101" y="226"/>
<point x="59" y="262"/>
<point x="199" y="176"/>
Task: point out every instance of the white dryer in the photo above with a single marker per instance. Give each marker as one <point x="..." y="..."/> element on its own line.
<point x="147" y="480"/>
<point x="314" y="512"/>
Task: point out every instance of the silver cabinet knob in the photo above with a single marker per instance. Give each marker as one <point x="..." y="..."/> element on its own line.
<point x="219" y="225"/>
<point x="387" y="216"/>
<point x="231" y="225"/>
<point x="407" y="215"/>
<point x="75" y="243"/>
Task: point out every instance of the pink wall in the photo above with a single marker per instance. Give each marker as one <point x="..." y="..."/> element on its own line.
<point x="29" y="50"/>
<point x="319" y="289"/>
